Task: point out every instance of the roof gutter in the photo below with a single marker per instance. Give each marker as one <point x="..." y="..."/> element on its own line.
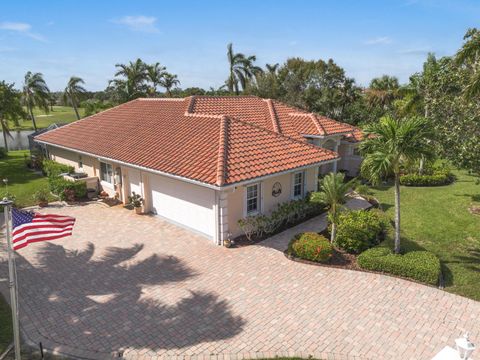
<point x="326" y="136"/>
<point x="191" y="181"/>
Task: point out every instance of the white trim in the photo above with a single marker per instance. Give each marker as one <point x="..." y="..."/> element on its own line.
<point x="107" y="184"/>
<point x="259" y="199"/>
<point x="196" y="182"/>
<point x="292" y="187"/>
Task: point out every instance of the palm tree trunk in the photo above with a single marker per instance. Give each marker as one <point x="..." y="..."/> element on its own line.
<point x="397" y="213"/>
<point x="333" y="235"/>
<point x="33" y="117"/>
<point x="75" y="108"/>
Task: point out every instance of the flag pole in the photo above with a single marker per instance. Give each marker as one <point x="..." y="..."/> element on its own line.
<point x="7" y="208"/>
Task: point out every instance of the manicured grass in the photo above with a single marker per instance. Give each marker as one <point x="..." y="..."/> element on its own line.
<point x="60" y="114"/>
<point x="22" y="182"/>
<point x="437" y="219"/>
<point x="6" y="332"/>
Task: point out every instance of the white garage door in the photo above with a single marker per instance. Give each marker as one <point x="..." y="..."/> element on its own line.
<point x="186" y="204"/>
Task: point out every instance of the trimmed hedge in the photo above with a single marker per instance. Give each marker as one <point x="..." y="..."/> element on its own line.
<point x="359" y="230"/>
<point x="436" y="179"/>
<point x="422" y="266"/>
<point x="53" y="169"/>
<point x="310" y="246"/>
<point x="62" y="188"/>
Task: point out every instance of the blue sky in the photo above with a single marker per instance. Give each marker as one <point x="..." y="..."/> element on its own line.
<point x="87" y="38"/>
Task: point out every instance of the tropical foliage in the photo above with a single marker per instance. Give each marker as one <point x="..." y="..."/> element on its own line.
<point x="35" y="94"/>
<point x="310" y="246"/>
<point x="73" y="91"/>
<point x="10" y="109"/>
<point x="388" y="145"/>
<point x="333" y="193"/>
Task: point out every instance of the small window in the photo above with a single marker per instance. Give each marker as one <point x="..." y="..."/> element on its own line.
<point x="106" y="172"/>
<point x="298" y="181"/>
<point x="253" y="199"/>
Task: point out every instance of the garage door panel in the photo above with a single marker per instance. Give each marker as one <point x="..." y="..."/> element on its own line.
<point x="184" y="203"/>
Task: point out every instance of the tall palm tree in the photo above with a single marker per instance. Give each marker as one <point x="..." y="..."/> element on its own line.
<point x="168" y="82"/>
<point x="469" y="55"/>
<point x="388" y="145"/>
<point x="35" y="93"/>
<point x="250" y="71"/>
<point x="333" y="192"/>
<point x="155" y="74"/>
<point x="134" y="75"/>
<point x="236" y="63"/>
<point x="72" y="91"/>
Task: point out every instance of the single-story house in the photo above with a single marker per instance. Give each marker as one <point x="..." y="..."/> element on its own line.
<point x="205" y="162"/>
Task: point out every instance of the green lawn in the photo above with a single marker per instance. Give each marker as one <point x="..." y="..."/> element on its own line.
<point x="22" y="182"/>
<point x="60" y="114"/>
<point x="437" y="219"/>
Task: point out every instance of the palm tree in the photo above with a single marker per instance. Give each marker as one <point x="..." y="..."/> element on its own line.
<point x="236" y="63"/>
<point x="10" y="108"/>
<point x="469" y="55"/>
<point x="250" y="71"/>
<point x="72" y="91"/>
<point x="155" y="74"/>
<point x="168" y="82"/>
<point x="272" y="68"/>
<point x="388" y="145"/>
<point x="383" y="91"/>
<point x="35" y="93"/>
<point x="134" y="75"/>
<point x="333" y="192"/>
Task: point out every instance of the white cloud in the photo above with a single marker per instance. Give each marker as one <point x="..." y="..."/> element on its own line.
<point x="139" y="23"/>
<point x="381" y="40"/>
<point x="22" y="28"/>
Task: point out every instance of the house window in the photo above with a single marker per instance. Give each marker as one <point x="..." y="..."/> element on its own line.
<point x="298" y="184"/>
<point x="106" y="172"/>
<point x="253" y="199"/>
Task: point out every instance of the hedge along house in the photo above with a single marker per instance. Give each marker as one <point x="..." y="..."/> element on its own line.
<point x="206" y="162"/>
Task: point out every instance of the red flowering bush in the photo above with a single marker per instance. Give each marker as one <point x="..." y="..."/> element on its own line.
<point x="310" y="246"/>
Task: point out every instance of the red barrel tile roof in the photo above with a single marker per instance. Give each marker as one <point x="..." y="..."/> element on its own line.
<point x="213" y="140"/>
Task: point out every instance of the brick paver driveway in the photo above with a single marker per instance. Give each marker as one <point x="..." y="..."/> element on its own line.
<point x="137" y="285"/>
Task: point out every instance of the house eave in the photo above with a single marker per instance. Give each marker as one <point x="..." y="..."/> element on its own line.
<point x="192" y="181"/>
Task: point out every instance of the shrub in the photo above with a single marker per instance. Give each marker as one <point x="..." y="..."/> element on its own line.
<point x="360" y="230"/>
<point x="436" y="179"/>
<point x="53" y="169"/>
<point x="286" y="213"/>
<point x="135" y="200"/>
<point x="66" y="189"/>
<point x="41" y="195"/>
<point x="422" y="266"/>
<point x="310" y="246"/>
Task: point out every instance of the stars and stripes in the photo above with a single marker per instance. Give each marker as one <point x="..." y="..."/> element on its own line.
<point x="29" y="227"/>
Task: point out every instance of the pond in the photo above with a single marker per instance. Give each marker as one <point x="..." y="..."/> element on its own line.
<point x="18" y="141"/>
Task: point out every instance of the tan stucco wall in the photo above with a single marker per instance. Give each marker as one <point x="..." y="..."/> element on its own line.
<point x="236" y="198"/>
<point x="90" y="164"/>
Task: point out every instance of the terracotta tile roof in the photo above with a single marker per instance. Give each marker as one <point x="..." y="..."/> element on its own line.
<point x="233" y="140"/>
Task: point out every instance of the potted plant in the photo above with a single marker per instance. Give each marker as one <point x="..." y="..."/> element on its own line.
<point x="136" y="201"/>
<point x="41" y="197"/>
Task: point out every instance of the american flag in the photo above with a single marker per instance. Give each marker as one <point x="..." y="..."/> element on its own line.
<point x="29" y="227"/>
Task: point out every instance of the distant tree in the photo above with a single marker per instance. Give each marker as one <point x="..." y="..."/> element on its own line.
<point x="388" y="145"/>
<point x="130" y="82"/>
<point x="73" y="91"/>
<point x="272" y="68"/>
<point x="469" y="56"/>
<point x="94" y="106"/>
<point x="10" y="108"/>
<point x="242" y="70"/>
<point x="168" y="82"/>
<point x="383" y="91"/>
<point x="35" y="93"/>
<point x="155" y="74"/>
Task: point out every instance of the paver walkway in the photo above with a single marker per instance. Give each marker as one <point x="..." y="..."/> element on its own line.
<point x="148" y="289"/>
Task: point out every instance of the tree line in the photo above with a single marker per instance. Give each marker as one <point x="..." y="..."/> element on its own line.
<point x="445" y="92"/>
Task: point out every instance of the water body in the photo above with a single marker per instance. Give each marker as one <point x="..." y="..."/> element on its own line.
<point x="18" y="141"/>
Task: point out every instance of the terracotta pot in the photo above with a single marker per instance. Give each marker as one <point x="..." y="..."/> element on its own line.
<point x="138" y="210"/>
<point x="43" y="203"/>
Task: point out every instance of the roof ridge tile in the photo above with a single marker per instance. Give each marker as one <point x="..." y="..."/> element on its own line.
<point x="222" y="151"/>
<point x="273" y="115"/>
